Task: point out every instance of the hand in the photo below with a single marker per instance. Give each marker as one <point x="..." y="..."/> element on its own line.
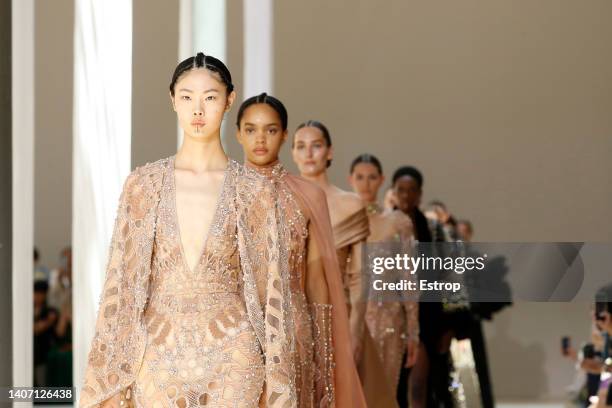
<point x="412" y="351"/>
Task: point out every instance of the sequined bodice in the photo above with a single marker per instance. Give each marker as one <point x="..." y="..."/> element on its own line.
<point x="217" y="270"/>
<point x="296" y="222"/>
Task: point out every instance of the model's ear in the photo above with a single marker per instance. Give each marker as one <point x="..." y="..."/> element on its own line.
<point x="330" y="153"/>
<point x="239" y="136"/>
<point x="172" y="101"/>
<point x="284" y="139"/>
<point x="230" y="101"/>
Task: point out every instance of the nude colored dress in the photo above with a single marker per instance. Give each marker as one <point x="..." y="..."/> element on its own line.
<point x="324" y="367"/>
<point x="391" y="323"/>
<point x="168" y="336"/>
<point x="349" y="232"/>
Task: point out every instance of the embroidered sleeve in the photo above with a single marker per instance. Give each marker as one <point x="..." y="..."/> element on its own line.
<point x="262" y="241"/>
<point x="120" y="337"/>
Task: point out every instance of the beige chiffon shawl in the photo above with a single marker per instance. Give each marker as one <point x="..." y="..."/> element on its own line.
<point x="348" y="388"/>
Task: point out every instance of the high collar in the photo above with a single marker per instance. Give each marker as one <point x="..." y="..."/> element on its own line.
<point x="274" y="170"/>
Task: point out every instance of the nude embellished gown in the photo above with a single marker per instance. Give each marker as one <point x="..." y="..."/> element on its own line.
<point x="169" y="336"/>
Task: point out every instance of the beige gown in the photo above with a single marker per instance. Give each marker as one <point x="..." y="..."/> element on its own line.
<point x="322" y="370"/>
<point x="390" y="323"/>
<point x="167" y="336"/>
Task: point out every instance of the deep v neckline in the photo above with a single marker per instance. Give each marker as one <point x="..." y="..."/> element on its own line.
<point x="213" y="220"/>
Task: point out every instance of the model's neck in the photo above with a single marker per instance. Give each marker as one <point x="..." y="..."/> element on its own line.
<point x="201" y="155"/>
<point x="319" y="179"/>
<point x="262" y="166"/>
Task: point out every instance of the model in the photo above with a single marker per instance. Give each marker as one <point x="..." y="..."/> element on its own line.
<point x="312" y="152"/>
<point x="394" y="325"/>
<point x="192" y="312"/>
<point x="325" y="371"/>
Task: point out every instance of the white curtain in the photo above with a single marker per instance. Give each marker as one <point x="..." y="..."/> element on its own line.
<point x="258" y="47"/>
<point x="22" y="27"/>
<point x="101" y="154"/>
<point x="201" y="29"/>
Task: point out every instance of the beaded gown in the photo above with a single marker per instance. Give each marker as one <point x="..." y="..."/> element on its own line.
<point x="169" y="336"/>
<point x="391" y="323"/>
<point x="325" y="373"/>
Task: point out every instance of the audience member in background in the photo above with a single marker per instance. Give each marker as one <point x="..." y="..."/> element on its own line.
<point x="41" y="272"/>
<point x="59" y="359"/>
<point x="465" y="231"/>
<point x="60" y="287"/>
<point x="44" y="324"/>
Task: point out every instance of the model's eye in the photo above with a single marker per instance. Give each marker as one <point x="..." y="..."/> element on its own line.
<point x="249" y="131"/>
<point x="211" y="98"/>
<point x="317" y="145"/>
<point x="186" y="97"/>
<point x="273" y="131"/>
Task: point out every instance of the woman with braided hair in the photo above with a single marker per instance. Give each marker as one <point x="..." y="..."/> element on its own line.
<point x="193" y="310"/>
<point x="325" y="372"/>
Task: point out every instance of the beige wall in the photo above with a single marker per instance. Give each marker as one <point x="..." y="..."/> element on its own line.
<point x="505" y="107"/>
<point x="53" y="127"/>
<point x="155" y="54"/>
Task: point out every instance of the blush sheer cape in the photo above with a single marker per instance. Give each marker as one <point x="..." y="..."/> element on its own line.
<point x="120" y="337"/>
<point x="348" y="388"/>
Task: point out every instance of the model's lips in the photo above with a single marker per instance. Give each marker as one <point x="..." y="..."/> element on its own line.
<point x="198" y="123"/>
<point x="260" y="151"/>
<point x="310" y="163"/>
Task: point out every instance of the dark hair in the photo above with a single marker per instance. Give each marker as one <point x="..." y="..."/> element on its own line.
<point x="202" y="61"/>
<point x="408" y="171"/>
<point x="367" y="158"/>
<point x="41" y="286"/>
<point x="269" y="100"/>
<point x="322" y="128"/>
<point x="36" y="254"/>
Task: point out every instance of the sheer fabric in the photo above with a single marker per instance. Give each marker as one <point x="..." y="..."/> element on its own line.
<point x="209" y="337"/>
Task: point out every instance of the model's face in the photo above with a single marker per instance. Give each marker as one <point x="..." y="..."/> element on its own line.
<point x="366" y="181"/>
<point x="261" y="134"/>
<point x="310" y="151"/>
<point x="200" y="101"/>
<point x="408" y="193"/>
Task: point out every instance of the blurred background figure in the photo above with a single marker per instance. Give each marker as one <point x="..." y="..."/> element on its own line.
<point x="53" y="324"/>
<point x="41" y="272"/>
<point x="465" y="230"/>
<point x="44" y="324"/>
<point x="444" y="224"/>
<point x="60" y="283"/>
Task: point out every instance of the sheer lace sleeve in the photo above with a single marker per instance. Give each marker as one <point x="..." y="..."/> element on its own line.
<point x="120" y="337"/>
<point x="262" y="239"/>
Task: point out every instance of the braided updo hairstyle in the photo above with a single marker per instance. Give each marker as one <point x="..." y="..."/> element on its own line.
<point x="203" y="61"/>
